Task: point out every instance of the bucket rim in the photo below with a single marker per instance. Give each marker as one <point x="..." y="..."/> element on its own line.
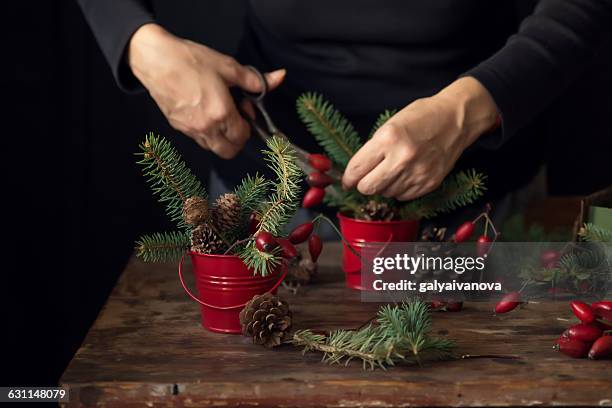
<point x="395" y="222"/>
<point x="214" y="256"/>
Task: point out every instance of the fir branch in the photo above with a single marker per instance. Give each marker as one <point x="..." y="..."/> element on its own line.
<point x="329" y="127"/>
<point x="381" y="120"/>
<point x="458" y="190"/>
<point x="162" y="246"/>
<point x="593" y="233"/>
<point x="280" y="207"/>
<point x="400" y="334"/>
<point x="169" y="177"/>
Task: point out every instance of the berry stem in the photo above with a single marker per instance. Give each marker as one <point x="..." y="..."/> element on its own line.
<point x="235" y="244"/>
<point x="331" y="223"/>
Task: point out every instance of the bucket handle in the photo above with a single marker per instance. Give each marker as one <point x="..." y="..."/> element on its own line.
<point x="191" y="295"/>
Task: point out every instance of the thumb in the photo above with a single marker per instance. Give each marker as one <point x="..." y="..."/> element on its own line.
<point x="275" y="78"/>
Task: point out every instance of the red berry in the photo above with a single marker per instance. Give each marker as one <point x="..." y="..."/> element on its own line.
<point x="582" y="311"/>
<point x="583" y="332"/>
<point x="289" y="251"/>
<point x="602" y="348"/>
<point x="483" y="243"/>
<point x="572" y="347"/>
<point x="313" y="197"/>
<point x="319" y="162"/>
<point x="453" y="306"/>
<point x="318" y="179"/>
<point x="301" y="233"/>
<point x="265" y="242"/>
<point x="436" y="304"/>
<point x="464" y="232"/>
<point x="603" y="305"/>
<point x="604" y="318"/>
<point x="508" y="302"/>
<point x="254" y="220"/>
<point x="315" y="246"/>
<point x="549" y="258"/>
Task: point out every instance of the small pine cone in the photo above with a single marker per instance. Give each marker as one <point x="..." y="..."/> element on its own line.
<point x="205" y="241"/>
<point x="301" y="272"/>
<point x="226" y="212"/>
<point x="377" y="211"/>
<point x="266" y="319"/>
<point x="195" y="211"/>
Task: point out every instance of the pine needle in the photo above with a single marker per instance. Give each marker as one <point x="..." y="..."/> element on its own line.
<point x="593" y="233"/>
<point x="381" y="120"/>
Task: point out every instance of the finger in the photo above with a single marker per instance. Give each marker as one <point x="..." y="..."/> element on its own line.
<point x="399" y="186"/>
<point x="237" y="129"/>
<point x="410" y="194"/>
<point x="378" y="179"/>
<point x="364" y="161"/>
<point x="247" y="107"/>
<point x="220" y="145"/>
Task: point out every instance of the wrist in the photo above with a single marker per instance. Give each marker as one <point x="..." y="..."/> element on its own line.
<point x="142" y="45"/>
<point x="474" y="108"/>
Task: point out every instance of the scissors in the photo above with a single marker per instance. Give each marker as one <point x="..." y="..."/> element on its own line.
<point x="272" y="130"/>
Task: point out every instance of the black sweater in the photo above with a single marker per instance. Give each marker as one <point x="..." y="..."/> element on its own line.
<point x="367" y="56"/>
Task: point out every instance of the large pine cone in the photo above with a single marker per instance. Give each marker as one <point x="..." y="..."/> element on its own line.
<point x="226" y="212"/>
<point x="205" y="241"/>
<point x="266" y="319"/>
<point x="377" y="211"/>
<point x="195" y="210"/>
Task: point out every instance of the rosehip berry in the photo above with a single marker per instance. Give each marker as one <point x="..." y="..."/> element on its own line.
<point x="254" y="220"/>
<point x="583" y="332"/>
<point x="313" y="197"/>
<point x="318" y="179"/>
<point x="549" y="258"/>
<point x="288" y="250"/>
<point x="604" y="318"/>
<point x="265" y="242"/>
<point x="464" y="232"/>
<point x="582" y="311"/>
<point x="319" y="162"/>
<point x="603" y="305"/>
<point x="508" y="302"/>
<point x="301" y="233"/>
<point x="315" y="246"/>
<point x="572" y="347"/>
<point x="602" y="348"/>
<point x="453" y="306"/>
<point x="483" y="244"/>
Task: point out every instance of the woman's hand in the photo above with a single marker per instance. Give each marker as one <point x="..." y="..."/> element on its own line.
<point x="413" y="151"/>
<point x="189" y="82"/>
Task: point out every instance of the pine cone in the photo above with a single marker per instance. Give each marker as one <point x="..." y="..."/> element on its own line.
<point x="266" y="319"/>
<point x="195" y="211"/>
<point x="205" y="241"/>
<point x="226" y="212"/>
<point x="377" y="211"/>
<point x="302" y="271"/>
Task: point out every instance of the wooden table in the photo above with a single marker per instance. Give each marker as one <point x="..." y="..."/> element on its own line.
<point x="147" y="348"/>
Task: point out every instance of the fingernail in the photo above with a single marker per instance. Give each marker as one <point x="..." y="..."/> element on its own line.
<point x="279" y="73"/>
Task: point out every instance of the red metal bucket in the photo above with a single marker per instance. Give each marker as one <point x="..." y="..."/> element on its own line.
<point x="226" y="284"/>
<point x="360" y="233"/>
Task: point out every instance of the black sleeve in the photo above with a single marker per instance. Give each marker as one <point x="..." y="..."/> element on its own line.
<point x="537" y="63"/>
<point x="113" y="23"/>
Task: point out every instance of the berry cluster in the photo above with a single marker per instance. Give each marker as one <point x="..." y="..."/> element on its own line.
<point x="592" y="337"/>
<point x="317" y="180"/>
<point x="484" y="241"/>
<point x="266" y="242"/>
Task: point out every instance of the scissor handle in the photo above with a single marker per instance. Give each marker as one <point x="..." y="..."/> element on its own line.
<point x="258" y="97"/>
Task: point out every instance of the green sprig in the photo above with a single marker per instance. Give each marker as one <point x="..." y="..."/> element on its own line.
<point x="162" y="246"/>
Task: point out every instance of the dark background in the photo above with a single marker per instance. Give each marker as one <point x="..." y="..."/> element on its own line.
<point x="74" y="199"/>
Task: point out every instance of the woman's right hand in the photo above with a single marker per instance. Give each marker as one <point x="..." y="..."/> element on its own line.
<point x="189" y="82"/>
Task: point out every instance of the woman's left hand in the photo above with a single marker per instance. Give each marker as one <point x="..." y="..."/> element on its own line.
<point x="414" y="150"/>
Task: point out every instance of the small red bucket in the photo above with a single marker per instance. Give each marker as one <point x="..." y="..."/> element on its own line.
<point x="226" y="285"/>
<point x="359" y="233"/>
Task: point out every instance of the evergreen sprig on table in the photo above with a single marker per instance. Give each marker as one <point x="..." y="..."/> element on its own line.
<point x="400" y="333"/>
<point x="337" y="136"/>
<point x="175" y="185"/>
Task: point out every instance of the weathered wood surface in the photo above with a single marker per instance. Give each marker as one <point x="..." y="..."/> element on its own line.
<point x="147" y="348"/>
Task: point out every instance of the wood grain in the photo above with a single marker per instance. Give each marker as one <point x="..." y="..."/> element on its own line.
<point x="147" y="348"/>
